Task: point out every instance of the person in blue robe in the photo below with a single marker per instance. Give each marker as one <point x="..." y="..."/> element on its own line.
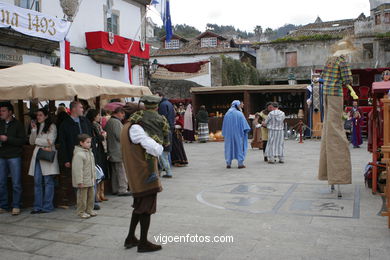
<point x="235" y="130"/>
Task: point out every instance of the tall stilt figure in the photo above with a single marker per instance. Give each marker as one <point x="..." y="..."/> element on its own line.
<point x="335" y="158"/>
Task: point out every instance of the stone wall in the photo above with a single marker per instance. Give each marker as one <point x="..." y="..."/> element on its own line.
<point x="312" y="55"/>
<point x="173" y="88"/>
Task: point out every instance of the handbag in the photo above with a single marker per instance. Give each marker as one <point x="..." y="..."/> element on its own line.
<point x="46" y="155"/>
<point x="348" y="124"/>
<point x="99" y="174"/>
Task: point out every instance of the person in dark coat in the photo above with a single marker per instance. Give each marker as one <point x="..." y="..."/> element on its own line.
<point x="166" y="109"/>
<point x="69" y="129"/>
<point x="12" y="139"/>
<point x="99" y="137"/>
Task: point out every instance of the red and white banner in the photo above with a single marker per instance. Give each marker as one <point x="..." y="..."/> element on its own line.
<point x="118" y="44"/>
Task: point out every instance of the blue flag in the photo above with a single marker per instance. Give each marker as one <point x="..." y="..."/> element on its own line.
<point x="163" y="7"/>
<point x="168" y="22"/>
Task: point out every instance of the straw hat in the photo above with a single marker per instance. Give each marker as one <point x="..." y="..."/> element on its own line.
<point x="343" y="47"/>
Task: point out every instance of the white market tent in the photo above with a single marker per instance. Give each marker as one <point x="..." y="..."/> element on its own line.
<point x="42" y="82"/>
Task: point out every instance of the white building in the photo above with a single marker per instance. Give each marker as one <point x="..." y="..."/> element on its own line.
<point x="182" y="52"/>
<point x="125" y="20"/>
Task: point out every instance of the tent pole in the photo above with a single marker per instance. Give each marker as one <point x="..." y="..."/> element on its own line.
<point x="97" y="105"/>
<point x="20" y="111"/>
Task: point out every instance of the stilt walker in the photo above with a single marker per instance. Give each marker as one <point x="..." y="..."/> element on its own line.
<point x="335" y="158"/>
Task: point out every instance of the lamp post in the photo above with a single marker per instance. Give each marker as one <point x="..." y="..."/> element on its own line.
<point x="53" y="59"/>
<point x="151" y="68"/>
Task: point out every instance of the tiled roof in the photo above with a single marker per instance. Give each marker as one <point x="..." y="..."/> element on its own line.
<point x="193" y="48"/>
<point x="336" y="28"/>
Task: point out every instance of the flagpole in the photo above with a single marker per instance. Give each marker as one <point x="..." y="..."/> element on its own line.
<point x="139" y="28"/>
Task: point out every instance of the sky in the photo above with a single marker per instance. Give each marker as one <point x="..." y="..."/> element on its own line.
<point x="246" y="14"/>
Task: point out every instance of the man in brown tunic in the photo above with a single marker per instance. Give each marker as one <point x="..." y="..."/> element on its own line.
<point x="135" y="142"/>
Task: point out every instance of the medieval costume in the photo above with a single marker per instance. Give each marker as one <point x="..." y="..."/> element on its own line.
<point x="155" y="125"/>
<point x="335" y="158"/>
<point x="188" y="132"/>
<point x="356" y="117"/>
<point x="202" y="119"/>
<point x="264" y="131"/>
<point x="315" y="105"/>
<point x="135" y="144"/>
<point x="178" y="154"/>
<point x="256" y="128"/>
<point x="235" y="130"/>
<point x="275" y="126"/>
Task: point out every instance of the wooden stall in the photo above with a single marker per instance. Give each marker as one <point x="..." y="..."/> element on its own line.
<point x="386" y="153"/>
<point x="217" y="100"/>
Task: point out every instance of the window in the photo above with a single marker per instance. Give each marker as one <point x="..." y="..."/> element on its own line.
<point x="387" y="18"/>
<point x="29" y="4"/>
<point x="208" y="42"/>
<point x="111" y="20"/>
<point x="378" y="19"/>
<point x="291" y="59"/>
<point x="173" y="44"/>
<point x="112" y="24"/>
<point x="368" y="51"/>
<point x="355" y="80"/>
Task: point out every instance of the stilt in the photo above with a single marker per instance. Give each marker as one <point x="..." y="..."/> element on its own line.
<point x="339" y="195"/>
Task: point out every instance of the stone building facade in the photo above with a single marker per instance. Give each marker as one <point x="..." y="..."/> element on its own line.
<point x="207" y="47"/>
<point x="306" y="49"/>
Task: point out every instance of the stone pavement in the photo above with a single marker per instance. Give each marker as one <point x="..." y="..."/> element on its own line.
<point x="272" y="212"/>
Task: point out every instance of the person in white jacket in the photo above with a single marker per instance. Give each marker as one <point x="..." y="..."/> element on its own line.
<point x="43" y="136"/>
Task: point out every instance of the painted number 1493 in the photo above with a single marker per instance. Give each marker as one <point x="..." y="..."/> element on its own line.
<point x="42" y="24"/>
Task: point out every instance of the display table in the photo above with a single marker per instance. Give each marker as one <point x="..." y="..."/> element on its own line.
<point x="215" y="124"/>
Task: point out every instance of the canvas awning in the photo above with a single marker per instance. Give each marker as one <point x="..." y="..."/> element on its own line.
<point x="253" y="88"/>
<point x="42" y="82"/>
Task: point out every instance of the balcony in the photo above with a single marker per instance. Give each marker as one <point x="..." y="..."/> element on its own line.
<point x="102" y="50"/>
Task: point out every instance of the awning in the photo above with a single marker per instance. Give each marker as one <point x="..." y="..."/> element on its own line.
<point x="37" y="81"/>
<point x="269" y="88"/>
<point x="381" y="87"/>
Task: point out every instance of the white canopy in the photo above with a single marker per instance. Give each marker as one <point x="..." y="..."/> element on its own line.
<point x="37" y="81"/>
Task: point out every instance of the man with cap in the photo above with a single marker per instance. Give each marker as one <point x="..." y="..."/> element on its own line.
<point x="142" y="139"/>
<point x="155" y="126"/>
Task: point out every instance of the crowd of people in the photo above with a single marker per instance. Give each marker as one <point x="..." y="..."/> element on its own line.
<point x="61" y="143"/>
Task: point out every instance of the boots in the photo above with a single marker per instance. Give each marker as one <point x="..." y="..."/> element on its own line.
<point x="101" y="194"/>
<point x="144" y="245"/>
<point x="98" y="198"/>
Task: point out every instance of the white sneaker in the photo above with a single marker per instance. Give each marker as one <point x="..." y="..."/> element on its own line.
<point x="92" y="213"/>
<point x="84" y="215"/>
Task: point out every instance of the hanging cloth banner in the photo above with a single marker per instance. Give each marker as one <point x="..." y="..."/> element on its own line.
<point x="185" y="67"/>
<point x="33" y="23"/>
<point x="128" y="73"/>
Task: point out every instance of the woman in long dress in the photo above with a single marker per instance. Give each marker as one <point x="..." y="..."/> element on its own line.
<point x="256" y="126"/>
<point x="356" y="129"/>
<point x="202" y="119"/>
<point x="178" y="154"/>
<point x="188" y="132"/>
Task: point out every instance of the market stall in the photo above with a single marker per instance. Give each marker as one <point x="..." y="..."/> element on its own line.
<point x="46" y="83"/>
<point x="217" y="100"/>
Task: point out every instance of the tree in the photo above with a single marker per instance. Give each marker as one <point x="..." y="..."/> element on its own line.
<point x="258" y="32"/>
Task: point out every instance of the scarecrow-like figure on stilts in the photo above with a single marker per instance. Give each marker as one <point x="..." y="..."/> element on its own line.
<point x="335" y="158"/>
